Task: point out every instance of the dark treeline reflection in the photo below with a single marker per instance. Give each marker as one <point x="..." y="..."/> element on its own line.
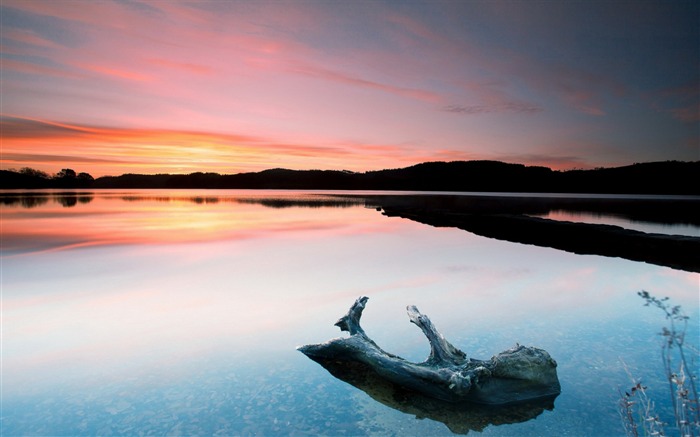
<point x="323" y="202"/>
<point x="24" y="200"/>
<point x="292" y="201"/>
<point x="515" y="220"/>
<point x="193" y="199"/>
<point x="72" y="200"/>
<point x="669" y="210"/>
<point x="33" y="200"/>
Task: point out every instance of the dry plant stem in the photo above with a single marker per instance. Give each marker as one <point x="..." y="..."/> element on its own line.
<point x="636" y="401"/>
<point x="685" y="408"/>
<point x="627" y="415"/>
<point x="681" y="382"/>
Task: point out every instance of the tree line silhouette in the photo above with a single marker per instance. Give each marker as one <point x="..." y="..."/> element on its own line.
<point x="668" y="177"/>
<point x="31" y="178"/>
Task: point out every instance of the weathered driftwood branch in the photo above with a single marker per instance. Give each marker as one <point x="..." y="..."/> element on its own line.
<point x="518" y="374"/>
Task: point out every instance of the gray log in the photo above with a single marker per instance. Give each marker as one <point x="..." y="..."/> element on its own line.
<point x="518" y="374"/>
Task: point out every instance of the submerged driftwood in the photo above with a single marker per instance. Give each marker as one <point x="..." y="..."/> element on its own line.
<point x="519" y="374"/>
<point x="459" y="417"/>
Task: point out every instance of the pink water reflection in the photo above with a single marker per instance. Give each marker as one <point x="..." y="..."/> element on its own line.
<point x="153" y="281"/>
<point x="142" y="217"/>
<point x="161" y="283"/>
<point x="607" y="219"/>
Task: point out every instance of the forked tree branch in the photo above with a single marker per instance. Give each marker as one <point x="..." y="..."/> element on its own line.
<point x="517" y="374"/>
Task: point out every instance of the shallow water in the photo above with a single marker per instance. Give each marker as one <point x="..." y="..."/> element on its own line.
<point x="147" y="312"/>
<point x="607" y="219"/>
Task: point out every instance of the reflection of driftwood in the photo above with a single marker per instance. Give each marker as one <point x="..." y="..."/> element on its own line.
<point x="459" y="417"/>
<point x="516" y="375"/>
<point x="675" y="251"/>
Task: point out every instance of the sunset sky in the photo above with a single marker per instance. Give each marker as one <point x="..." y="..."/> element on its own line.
<point x="112" y="87"/>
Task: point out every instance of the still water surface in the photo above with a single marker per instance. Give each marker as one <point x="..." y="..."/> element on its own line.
<point x="148" y="312"/>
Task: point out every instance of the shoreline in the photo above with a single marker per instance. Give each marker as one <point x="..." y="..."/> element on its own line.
<point x="674" y="251"/>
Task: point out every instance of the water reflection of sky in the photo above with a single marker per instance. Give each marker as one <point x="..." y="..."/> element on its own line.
<point x="135" y="218"/>
<point x="178" y="316"/>
<point x="654" y="228"/>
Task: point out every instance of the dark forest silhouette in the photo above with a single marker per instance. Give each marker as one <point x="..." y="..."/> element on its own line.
<point x="31" y="178"/>
<point x="669" y="177"/>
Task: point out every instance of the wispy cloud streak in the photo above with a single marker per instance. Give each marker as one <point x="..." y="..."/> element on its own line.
<point x="339" y="77"/>
<point x="488" y="109"/>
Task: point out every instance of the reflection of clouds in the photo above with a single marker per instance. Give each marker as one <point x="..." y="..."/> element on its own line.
<point x="620" y="220"/>
<point x="22" y="243"/>
<point x="143" y="313"/>
<point x="172" y="219"/>
<point x="402" y="284"/>
<point x="107" y="328"/>
<point x="260" y="283"/>
<point x="514" y="272"/>
<point x="147" y="310"/>
<point x="127" y="319"/>
<point x="680" y="286"/>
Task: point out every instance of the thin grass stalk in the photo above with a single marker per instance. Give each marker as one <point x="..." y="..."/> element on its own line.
<point x="682" y="384"/>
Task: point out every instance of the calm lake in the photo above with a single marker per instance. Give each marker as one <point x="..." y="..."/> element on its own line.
<point x="144" y="312"/>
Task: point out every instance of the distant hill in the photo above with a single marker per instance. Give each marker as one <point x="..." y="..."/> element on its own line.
<point x="669" y="177"/>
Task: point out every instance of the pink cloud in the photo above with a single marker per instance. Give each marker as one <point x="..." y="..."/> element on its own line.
<point x="187" y="67"/>
<point x="580" y="89"/>
<point x="513" y="107"/>
<point x="104" y="14"/>
<point x="683" y="102"/>
<point x="29" y="37"/>
<point x="119" y="73"/>
<point x="336" y="76"/>
<point x="36" y="69"/>
<point x="690" y="114"/>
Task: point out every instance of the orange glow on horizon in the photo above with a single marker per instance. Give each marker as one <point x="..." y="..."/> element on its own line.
<point x="104" y="151"/>
<point x="51" y="145"/>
